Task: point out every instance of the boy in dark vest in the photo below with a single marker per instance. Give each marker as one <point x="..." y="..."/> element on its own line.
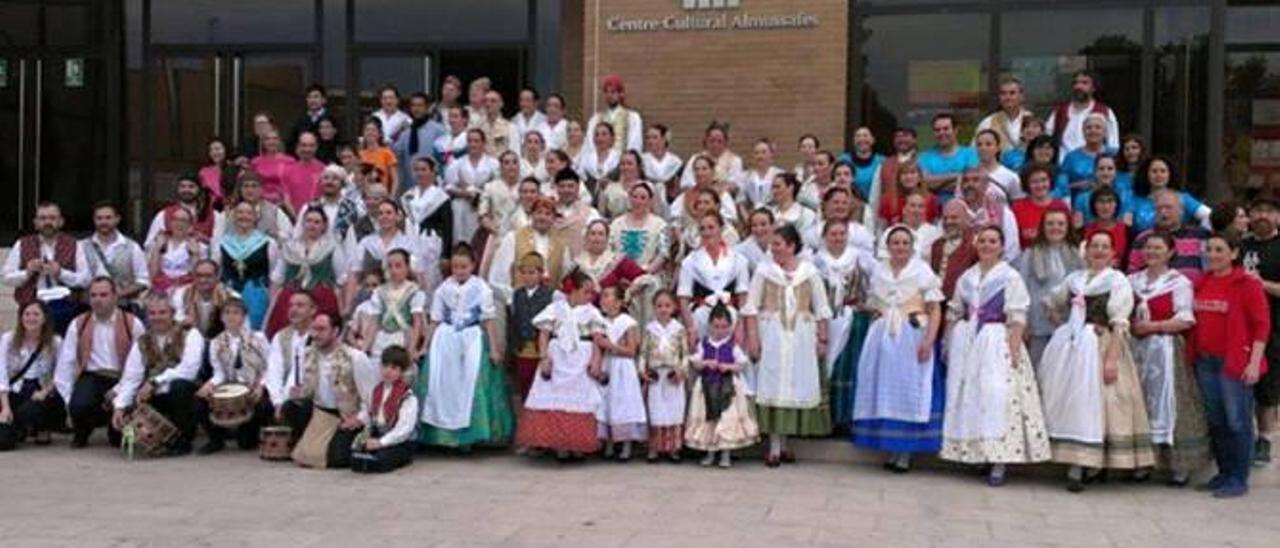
<point x="527" y="301"/>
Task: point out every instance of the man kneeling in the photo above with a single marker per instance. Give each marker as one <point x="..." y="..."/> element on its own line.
<point x="337" y="378"/>
<point x="160" y="372"/>
<point x="390" y="415"/>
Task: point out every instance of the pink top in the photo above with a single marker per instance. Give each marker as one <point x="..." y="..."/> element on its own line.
<point x="211" y="178"/>
<point x="302" y="182"/>
<point x="271" y="168"/>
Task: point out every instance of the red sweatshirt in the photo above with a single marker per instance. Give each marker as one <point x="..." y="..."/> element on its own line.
<point x="1231" y="314"/>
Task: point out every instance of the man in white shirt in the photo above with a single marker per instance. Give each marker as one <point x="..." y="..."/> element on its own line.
<point x="91" y="359"/>
<point x="529" y="117"/>
<point x="197" y="305"/>
<point x="1066" y="123"/>
<point x="394" y="121"/>
<point x="48" y="266"/>
<point x="161" y="372"/>
<point x="1007" y="121"/>
<point x="188" y="198"/>
<point x="288" y="348"/>
<point x="501" y="135"/>
<point x="114" y="255"/>
<point x="628" y="128"/>
<point x="337" y="380"/>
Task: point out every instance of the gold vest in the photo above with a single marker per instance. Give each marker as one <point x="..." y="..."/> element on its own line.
<point x="555" y="252"/>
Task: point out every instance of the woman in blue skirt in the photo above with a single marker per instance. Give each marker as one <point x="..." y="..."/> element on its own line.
<point x="898" y="401"/>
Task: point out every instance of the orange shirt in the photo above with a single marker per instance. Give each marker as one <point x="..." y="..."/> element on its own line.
<point x="381" y="158"/>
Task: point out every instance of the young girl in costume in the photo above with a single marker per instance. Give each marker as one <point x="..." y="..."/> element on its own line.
<point x="662" y="362"/>
<point x="622" y="417"/>
<point x="720" y="417"/>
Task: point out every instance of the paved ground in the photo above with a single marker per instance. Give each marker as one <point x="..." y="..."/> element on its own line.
<point x="58" y="497"/>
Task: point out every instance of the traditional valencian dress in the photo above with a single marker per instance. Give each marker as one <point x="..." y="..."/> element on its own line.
<point x="662" y="358"/>
<point x="993" y="405"/>
<point x="721" y="417"/>
<point x="898" y="401"/>
<point x="246" y="269"/>
<point x="704" y="279"/>
<point x="560" y="412"/>
<point x="622" y="417"/>
<point x="1091" y="423"/>
<point x="465" y="399"/>
<point x="393" y="308"/>
<point x="176" y="260"/>
<point x="790" y="375"/>
<point x="1178" y="427"/>
<point x="846" y="278"/>
<point x="319" y="268"/>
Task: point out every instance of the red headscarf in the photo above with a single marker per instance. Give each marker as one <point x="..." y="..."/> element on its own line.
<point x="613" y="81"/>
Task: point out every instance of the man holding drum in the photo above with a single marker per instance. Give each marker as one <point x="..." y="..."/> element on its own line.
<point x="235" y="397"/>
<point x="160" y="372"/>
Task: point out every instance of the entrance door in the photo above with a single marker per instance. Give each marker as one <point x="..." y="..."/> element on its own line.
<point x="53" y="109"/>
<point x="199" y="94"/>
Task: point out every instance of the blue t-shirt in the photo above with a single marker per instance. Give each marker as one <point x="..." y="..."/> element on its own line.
<point x="864" y="173"/>
<point x="1077" y="165"/>
<point x="1144" y="210"/>
<point x="934" y="162"/>
<point x="1014" y="159"/>
<point x="1124" y="189"/>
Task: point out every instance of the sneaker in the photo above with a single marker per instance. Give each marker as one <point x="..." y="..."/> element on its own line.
<point x="1262" y="452"/>
<point x="1231" y="490"/>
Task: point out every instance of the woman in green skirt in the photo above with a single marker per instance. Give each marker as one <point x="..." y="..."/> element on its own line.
<point x="786" y="318"/>
<point x="465" y="398"/>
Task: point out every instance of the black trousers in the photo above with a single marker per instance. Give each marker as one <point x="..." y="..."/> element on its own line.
<point x="246" y="435"/>
<point x="297" y="413"/>
<point x="87" y="407"/>
<point x="34" y="416"/>
<point x="384" y="460"/>
<point x="178" y="405"/>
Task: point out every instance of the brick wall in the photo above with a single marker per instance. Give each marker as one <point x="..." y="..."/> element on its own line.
<point x="777" y="83"/>
<point x="571" y="55"/>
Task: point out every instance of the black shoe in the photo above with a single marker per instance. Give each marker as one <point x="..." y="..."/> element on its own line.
<point x="179" y="450"/>
<point x="79" y="441"/>
<point x="211" y="447"/>
<point x="675" y="458"/>
<point x="1075" y="485"/>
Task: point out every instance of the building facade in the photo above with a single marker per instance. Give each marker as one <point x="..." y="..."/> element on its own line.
<point x="113" y="99"/>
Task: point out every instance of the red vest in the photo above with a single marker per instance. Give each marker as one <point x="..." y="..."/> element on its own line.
<point x="1062" y="115"/>
<point x="64" y="253"/>
<point x="390" y="403"/>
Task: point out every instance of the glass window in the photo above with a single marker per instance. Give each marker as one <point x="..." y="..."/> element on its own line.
<point x="441" y="21"/>
<point x="1181" y="89"/>
<point x="915" y="66"/>
<point x="1252" y="116"/>
<point x="1253" y="25"/>
<point x="231" y="21"/>
<point x="1107" y="42"/>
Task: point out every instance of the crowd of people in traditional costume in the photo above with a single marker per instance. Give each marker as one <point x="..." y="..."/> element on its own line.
<point x="454" y="279"/>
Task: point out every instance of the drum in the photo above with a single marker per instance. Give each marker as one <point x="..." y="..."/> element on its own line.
<point x="275" y="443"/>
<point x="152" y="432"/>
<point x="231" y="405"/>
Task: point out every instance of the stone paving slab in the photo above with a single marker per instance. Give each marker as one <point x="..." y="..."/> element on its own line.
<point x="54" y="496"/>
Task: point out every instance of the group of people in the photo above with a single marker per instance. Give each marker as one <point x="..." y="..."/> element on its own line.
<point x="1048" y="293"/>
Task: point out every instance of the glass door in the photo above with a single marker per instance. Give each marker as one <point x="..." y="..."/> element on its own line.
<point x="198" y="94"/>
<point x="53" y="110"/>
<point x="71" y="136"/>
<point x="409" y="72"/>
<point x="272" y="83"/>
<point x="189" y="105"/>
<point x="15" y="143"/>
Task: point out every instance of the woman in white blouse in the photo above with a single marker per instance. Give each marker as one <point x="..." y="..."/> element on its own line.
<point x="28" y="402"/>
